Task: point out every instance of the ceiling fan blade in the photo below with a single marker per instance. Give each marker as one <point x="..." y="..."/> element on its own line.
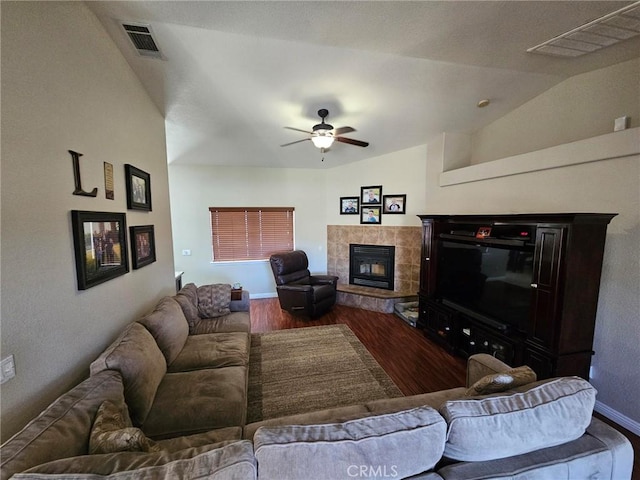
<point x="297" y="141"/>
<point x="298" y="130"/>
<point x="351" y="141"/>
<point x="343" y="130"/>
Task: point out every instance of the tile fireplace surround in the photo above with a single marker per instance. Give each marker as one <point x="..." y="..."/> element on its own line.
<point x="407" y="240"/>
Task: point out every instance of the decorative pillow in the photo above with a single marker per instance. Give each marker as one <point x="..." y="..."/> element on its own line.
<point x="500" y="382"/>
<point x="112" y="433"/>
<point x="397" y="445"/>
<point x="214" y="300"/>
<point x="535" y="416"/>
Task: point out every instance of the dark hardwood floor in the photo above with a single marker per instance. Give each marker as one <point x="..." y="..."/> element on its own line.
<point x="414" y="363"/>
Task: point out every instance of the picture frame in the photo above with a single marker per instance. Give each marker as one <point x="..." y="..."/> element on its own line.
<point x="483" y="232"/>
<point x="138" y="183"/>
<point x="394" y="204"/>
<point x="349" y="205"/>
<point x="371" y="215"/>
<point x="371" y="195"/>
<point x="100" y="245"/>
<point x="143" y="245"/>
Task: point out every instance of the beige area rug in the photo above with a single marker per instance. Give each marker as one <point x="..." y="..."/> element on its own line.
<point x="305" y="369"/>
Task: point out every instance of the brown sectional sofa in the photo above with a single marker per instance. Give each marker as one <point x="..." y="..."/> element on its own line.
<point x="182" y="380"/>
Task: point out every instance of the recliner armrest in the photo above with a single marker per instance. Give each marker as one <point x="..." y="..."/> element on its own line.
<point x="295" y="288"/>
<point x="323" y="279"/>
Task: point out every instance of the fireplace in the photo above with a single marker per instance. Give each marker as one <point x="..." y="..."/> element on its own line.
<point x="372" y="265"/>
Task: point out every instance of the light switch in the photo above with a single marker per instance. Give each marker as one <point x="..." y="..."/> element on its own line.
<point x="186" y="253"/>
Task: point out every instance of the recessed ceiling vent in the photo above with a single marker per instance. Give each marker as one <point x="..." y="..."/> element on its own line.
<point x="142" y="38"/>
<point x="604" y="31"/>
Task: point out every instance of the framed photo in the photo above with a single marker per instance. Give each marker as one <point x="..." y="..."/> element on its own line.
<point x="371" y="195"/>
<point x="483" y="232"/>
<point x="143" y="246"/>
<point x="370" y="215"/>
<point x="138" y="188"/>
<point x="349" y="205"/>
<point x="394" y="204"/>
<point x="100" y="244"/>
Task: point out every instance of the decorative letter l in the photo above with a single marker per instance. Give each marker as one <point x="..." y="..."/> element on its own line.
<point x="76" y="176"/>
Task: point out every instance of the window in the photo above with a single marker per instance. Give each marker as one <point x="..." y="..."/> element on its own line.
<point x="240" y="233"/>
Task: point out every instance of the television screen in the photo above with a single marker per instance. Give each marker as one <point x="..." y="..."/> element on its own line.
<point x="491" y="282"/>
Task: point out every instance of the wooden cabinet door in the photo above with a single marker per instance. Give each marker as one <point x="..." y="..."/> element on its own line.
<point x="545" y="286"/>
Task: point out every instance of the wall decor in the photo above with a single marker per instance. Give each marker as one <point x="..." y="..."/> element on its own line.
<point x="370" y="215"/>
<point x="371" y="195"/>
<point x="349" y="205"/>
<point x="138" y="188"/>
<point x="394" y="204"/>
<point x="75" y="156"/>
<point x="108" y="181"/>
<point x="143" y="246"/>
<point x="100" y="244"/>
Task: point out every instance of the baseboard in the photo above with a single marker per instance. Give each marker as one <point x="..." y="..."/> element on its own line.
<point x="263" y="295"/>
<point x="617" y="417"/>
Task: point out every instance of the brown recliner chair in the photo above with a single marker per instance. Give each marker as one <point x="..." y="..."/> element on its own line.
<point x="300" y="292"/>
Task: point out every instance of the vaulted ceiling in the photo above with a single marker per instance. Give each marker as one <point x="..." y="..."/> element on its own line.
<point x="234" y="73"/>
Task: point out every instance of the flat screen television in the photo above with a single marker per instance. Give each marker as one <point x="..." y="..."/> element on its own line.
<point x="491" y="283"/>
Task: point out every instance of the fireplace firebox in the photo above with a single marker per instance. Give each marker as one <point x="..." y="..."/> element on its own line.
<point x="372" y="265"/>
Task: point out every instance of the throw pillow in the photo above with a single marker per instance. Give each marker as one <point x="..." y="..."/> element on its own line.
<point x="112" y="433"/>
<point x="214" y="300"/>
<point x="501" y="382"/>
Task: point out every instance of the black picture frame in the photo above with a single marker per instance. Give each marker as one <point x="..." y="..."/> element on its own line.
<point x="138" y="183"/>
<point x="394" y="204"/>
<point x="349" y="205"/>
<point x="371" y="195"/>
<point x="100" y="245"/>
<point x="143" y="245"/>
<point x="371" y="215"/>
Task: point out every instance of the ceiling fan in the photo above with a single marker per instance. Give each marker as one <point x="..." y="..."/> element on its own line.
<point x="323" y="135"/>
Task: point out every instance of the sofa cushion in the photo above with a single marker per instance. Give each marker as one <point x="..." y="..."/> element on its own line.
<point x="213" y="350"/>
<point x="501" y="382"/>
<point x="197" y="401"/>
<point x="112" y="432"/>
<point x="539" y="415"/>
<point x="234" y="322"/>
<point x="62" y="429"/>
<point x="187" y="298"/>
<point x="142" y="365"/>
<point x="225" y="461"/>
<point x="214" y="300"/>
<point x="397" y="445"/>
<point x="168" y="326"/>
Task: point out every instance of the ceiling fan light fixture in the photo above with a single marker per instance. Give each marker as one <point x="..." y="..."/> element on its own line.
<point x="322" y="139"/>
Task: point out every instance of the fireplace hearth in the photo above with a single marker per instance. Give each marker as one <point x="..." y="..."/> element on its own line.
<point x="372" y="265"/>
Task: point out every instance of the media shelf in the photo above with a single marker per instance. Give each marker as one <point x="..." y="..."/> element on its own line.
<point x="537" y="307"/>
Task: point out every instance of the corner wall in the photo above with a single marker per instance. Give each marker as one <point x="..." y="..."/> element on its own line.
<point x="66" y="86"/>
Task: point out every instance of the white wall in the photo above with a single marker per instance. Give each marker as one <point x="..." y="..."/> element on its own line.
<point x="66" y="86"/>
<point x="314" y="194"/>
<point x="196" y="188"/>
<point x="581" y="107"/>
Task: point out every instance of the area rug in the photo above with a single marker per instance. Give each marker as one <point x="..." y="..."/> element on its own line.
<point x="305" y="369"/>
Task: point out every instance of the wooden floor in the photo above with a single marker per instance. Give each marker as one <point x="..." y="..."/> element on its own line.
<point x="414" y="363"/>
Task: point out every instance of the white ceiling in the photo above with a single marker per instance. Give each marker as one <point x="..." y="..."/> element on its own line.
<point x="235" y="73"/>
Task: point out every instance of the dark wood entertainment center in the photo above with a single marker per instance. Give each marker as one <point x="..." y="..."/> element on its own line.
<point x="555" y="337"/>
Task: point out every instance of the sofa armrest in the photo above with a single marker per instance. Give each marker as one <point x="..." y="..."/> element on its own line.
<point x="482" y="364"/>
<point x="241" y="305"/>
<point x="619" y="446"/>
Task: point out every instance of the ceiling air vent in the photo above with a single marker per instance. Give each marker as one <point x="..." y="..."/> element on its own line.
<point x="604" y="31"/>
<point x="142" y="38"/>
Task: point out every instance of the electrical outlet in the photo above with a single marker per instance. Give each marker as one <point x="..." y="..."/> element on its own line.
<point x="7" y="369"/>
<point x="186" y="253"/>
<point x="620" y="123"/>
